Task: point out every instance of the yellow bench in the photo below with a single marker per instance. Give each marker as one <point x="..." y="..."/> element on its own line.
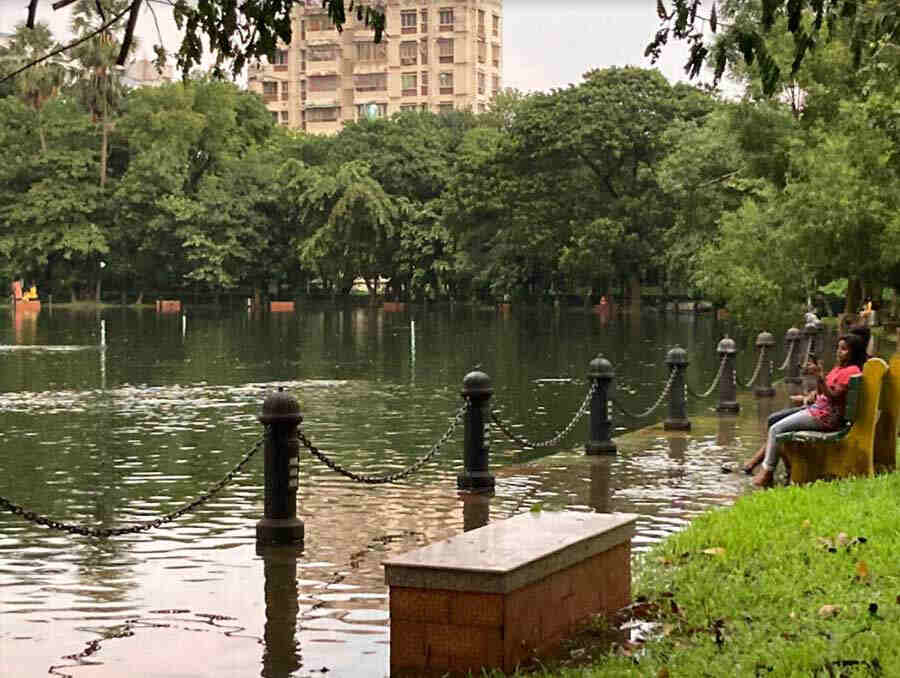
<point x="815" y="455"/>
<point x="885" y="450"/>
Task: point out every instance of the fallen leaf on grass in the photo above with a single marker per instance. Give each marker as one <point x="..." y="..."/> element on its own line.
<point x="862" y="570"/>
<point x="715" y="551"/>
<point x="829" y="610"/>
<point x="667" y="630"/>
<point x="662" y="673"/>
<point x="843" y="539"/>
<point x="806" y="524"/>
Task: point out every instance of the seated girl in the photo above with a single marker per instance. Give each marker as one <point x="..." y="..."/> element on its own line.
<point x="826" y="413"/>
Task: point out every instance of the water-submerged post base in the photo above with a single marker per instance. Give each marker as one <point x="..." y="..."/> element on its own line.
<point x="279" y="531"/>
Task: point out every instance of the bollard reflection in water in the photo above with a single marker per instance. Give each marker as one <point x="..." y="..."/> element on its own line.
<point x="725" y="433"/>
<point x="678" y="445"/>
<point x="281" y="652"/>
<point x="599" y="498"/>
<point x="476" y="509"/>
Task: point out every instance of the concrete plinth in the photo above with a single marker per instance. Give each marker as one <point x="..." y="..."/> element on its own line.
<point x="496" y="596"/>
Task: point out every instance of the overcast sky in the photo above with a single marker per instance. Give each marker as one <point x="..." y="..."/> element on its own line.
<point x="547" y="43"/>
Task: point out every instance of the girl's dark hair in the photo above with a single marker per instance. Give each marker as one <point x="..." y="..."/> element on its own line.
<point x="857" y="348"/>
<point x="863" y="332"/>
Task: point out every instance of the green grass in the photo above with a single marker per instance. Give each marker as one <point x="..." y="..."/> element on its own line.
<point x="741" y="592"/>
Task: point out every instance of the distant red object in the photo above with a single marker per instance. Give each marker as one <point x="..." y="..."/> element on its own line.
<point x="168" y="306"/>
<point x="394" y="306"/>
<point x="281" y="306"/>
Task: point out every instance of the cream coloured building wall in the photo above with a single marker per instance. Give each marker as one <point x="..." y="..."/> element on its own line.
<point x="437" y="55"/>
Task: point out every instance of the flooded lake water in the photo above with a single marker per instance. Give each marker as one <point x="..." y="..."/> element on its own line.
<point x="107" y="436"/>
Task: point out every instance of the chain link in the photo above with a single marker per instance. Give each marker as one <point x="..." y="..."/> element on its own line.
<point x="393" y="477"/>
<point x="715" y="383"/>
<point x="104" y="533"/>
<point x="524" y="442"/>
<point x="787" y="358"/>
<point x="659" y="401"/>
<point x="762" y="352"/>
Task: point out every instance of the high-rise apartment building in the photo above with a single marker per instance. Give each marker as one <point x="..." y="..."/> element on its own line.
<point x="436" y="55"/>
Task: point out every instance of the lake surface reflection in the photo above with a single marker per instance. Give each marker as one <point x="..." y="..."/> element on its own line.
<point x="105" y="437"/>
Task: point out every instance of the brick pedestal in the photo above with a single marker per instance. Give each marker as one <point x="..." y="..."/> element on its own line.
<point x="496" y="596"/>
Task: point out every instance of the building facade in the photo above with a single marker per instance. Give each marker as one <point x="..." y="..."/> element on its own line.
<point x="436" y="55"/>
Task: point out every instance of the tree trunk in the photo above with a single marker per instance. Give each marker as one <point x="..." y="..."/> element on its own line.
<point x="74" y="294"/>
<point x="634" y="284"/>
<point x="124" y="297"/>
<point x="104" y="143"/>
<point x="854" y="295"/>
<point x="98" y="289"/>
<point x="140" y="298"/>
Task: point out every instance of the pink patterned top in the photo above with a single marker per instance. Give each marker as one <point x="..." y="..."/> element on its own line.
<point x="831" y="411"/>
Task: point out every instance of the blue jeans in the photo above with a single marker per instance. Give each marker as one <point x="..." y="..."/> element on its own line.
<point x="797" y="421"/>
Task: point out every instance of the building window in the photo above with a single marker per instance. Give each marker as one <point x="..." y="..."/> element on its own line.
<point x="482" y="108"/>
<point x="285" y="118"/>
<point x="280" y="60"/>
<point x="423" y="21"/>
<point x="445" y="81"/>
<point x="408" y="52"/>
<point x="424" y="108"/>
<point x="370" y="82"/>
<point x="481" y="22"/>
<point x="482" y="52"/>
<point x="496" y="25"/>
<point x="481" y="83"/>
<point x="303" y="90"/>
<point x="445" y="108"/>
<point x="275" y="116"/>
<point x="408" y="84"/>
<point x="495" y="53"/>
<point x="445" y="19"/>
<point x="323" y="83"/>
<point x="270" y="91"/>
<point x="496" y="84"/>
<point x="445" y="51"/>
<point x="322" y="114"/>
<point x="409" y="108"/>
<point x="285" y="90"/>
<point x="369" y="51"/>
<point x="322" y="53"/>
<point x="408" y="22"/>
<point x="370" y="111"/>
<point x="303" y="61"/>
<point x="424" y="83"/>
<point x="423" y="50"/>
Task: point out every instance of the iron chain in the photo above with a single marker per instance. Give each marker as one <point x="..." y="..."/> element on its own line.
<point x="555" y="440"/>
<point x="715" y="383"/>
<point x="756" y="370"/>
<point x="393" y="477"/>
<point x="104" y="533"/>
<point x="787" y="358"/>
<point x="659" y="401"/>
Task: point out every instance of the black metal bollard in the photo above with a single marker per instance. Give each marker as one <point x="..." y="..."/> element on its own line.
<point x="599" y="441"/>
<point x="727" y="351"/>
<point x="475" y="476"/>
<point x="280" y="525"/>
<point x="810" y="334"/>
<point x="792" y="341"/>
<point x="677" y="360"/>
<point x="763" y="389"/>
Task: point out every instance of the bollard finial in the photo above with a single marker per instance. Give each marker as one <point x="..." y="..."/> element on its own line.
<point x="601" y="368"/>
<point x="477" y="383"/>
<point x="727" y="345"/>
<point x="280" y="407"/>
<point x="765" y="339"/>
<point x="676" y="356"/>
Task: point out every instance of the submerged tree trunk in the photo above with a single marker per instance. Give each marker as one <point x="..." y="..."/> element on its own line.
<point x="634" y="285"/>
<point x="854" y="295"/>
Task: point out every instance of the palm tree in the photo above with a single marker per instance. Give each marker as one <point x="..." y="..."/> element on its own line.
<point x="99" y="84"/>
<point x="38" y="84"/>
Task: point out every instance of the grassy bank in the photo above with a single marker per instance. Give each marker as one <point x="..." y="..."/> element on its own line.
<point x="797" y="581"/>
